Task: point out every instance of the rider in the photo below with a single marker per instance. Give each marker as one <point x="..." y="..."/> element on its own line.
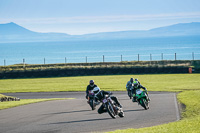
<point x="90" y="87"/>
<point x="99" y="95"/>
<point x="137" y="85"/>
<point x="129" y="87"/>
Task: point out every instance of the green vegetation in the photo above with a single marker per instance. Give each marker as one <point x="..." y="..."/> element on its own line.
<point x="183" y="126"/>
<point x="192" y="101"/>
<point x="1" y="95"/>
<point x="154" y="82"/>
<point x="9" y="104"/>
<point x="123" y="64"/>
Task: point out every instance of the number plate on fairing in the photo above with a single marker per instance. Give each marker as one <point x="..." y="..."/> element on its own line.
<point x="91" y="92"/>
<point x="104" y="100"/>
<point x="138" y="92"/>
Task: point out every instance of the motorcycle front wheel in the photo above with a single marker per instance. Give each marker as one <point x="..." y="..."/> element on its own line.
<point x="110" y="110"/>
<point x="144" y="103"/>
<point x="92" y="105"/>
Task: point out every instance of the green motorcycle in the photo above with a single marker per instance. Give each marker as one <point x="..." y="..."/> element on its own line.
<point x="142" y="98"/>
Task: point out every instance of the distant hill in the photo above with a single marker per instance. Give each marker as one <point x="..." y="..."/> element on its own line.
<point x="182" y="29"/>
<point x="12" y="32"/>
<point x="14" y="29"/>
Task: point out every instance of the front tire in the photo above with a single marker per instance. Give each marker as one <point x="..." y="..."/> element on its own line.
<point x="92" y="104"/>
<point x="143" y="103"/>
<point x="147" y="104"/>
<point x="110" y="110"/>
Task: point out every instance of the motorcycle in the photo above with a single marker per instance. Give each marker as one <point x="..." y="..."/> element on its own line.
<point x="111" y="107"/>
<point x="142" y="98"/>
<point x="91" y="100"/>
<point x="130" y="94"/>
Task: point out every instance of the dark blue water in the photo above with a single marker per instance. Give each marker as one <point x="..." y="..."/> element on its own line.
<point x="74" y="52"/>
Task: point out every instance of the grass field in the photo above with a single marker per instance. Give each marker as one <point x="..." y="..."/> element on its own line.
<point x="187" y="84"/>
<point x="154" y="82"/>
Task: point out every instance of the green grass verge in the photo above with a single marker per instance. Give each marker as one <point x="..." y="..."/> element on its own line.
<point x="183" y="126"/>
<point x="154" y="82"/>
<point x="1" y="95"/>
<point x="9" y="104"/>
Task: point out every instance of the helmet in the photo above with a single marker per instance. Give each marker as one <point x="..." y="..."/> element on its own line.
<point x="91" y="83"/>
<point x="136" y="79"/>
<point x="131" y="80"/>
<point x="136" y="84"/>
<point x="96" y="90"/>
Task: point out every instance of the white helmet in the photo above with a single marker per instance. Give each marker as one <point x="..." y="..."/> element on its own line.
<point x="96" y="90"/>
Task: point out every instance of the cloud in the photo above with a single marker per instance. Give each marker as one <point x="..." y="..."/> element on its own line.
<point x="102" y="19"/>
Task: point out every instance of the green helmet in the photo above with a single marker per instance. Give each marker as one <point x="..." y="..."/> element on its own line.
<point x="136" y="84"/>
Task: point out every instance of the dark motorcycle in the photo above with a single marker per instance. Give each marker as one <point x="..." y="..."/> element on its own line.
<point x="111" y="107"/>
<point x="91" y="100"/>
<point x="130" y="94"/>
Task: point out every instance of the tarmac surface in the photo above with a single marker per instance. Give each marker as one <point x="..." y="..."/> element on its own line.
<point x="75" y="115"/>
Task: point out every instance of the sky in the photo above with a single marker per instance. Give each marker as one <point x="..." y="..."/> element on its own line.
<point x="76" y="17"/>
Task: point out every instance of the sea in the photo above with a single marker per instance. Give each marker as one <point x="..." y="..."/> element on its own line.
<point x="143" y="49"/>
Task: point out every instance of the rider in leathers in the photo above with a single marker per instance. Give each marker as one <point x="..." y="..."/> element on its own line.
<point x="129" y="87"/>
<point x="90" y="87"/>
<point x="99" y="96"/>
<point x="136" y="85"/>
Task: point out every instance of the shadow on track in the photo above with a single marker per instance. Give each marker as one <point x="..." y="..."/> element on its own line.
<point x="134" y="110"/>
<point x="77" y="111"/>
<point x="67" y="122"/>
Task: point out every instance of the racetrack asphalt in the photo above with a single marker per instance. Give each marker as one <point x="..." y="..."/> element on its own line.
<point x="75" y="115"/>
